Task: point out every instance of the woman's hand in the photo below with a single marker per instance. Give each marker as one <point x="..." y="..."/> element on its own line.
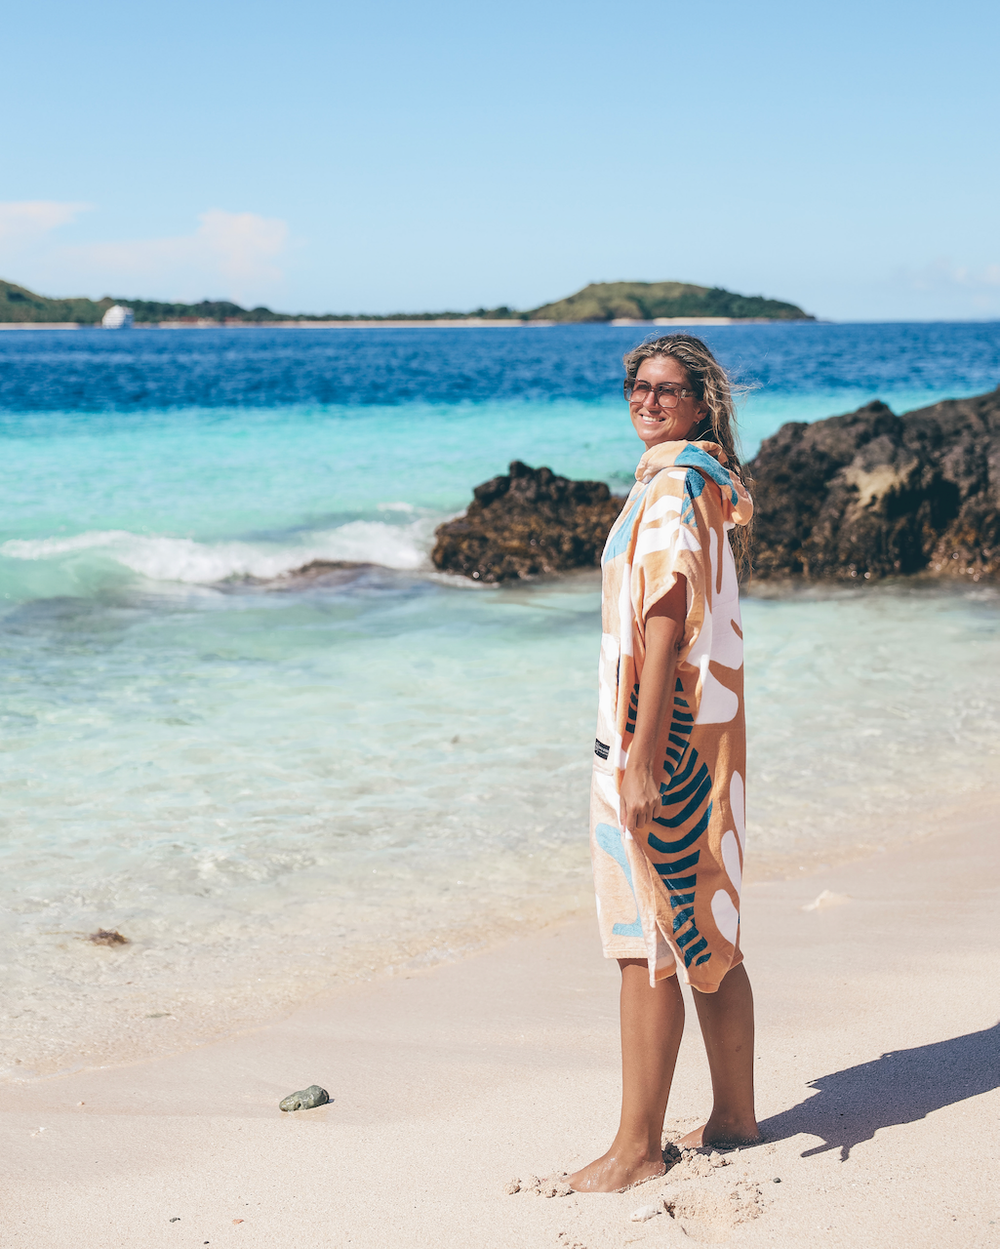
<point x="640" y="788"/>
<point x="640" y="795"/>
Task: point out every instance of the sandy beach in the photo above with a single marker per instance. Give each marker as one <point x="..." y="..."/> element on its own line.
<point x="336" y="656"/>
<point x="878" y="1076"/>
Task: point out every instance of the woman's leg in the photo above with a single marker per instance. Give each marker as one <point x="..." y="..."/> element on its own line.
<point x="726" y="1019"/>
<point x="652" y="1021"/>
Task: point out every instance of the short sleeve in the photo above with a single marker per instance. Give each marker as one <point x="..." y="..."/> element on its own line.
<point x="663" y="545"/>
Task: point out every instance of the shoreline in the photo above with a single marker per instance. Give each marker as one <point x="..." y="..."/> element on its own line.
<point x="471" y="323"/>
<point x="118" y="1023"/>
<point x="860" y="1088"/>
<point x="403" y="324"/>
<point x="144" y="1019"/>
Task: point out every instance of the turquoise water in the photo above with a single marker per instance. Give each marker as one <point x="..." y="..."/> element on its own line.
<point x="268" y="785"/>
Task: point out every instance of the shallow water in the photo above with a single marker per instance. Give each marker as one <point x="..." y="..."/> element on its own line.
<point x="267" y="787"/>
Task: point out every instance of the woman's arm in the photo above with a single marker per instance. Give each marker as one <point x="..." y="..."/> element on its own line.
<point x="640" y="792"/>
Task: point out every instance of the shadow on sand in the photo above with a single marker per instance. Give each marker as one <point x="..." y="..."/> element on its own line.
<point x="900" y="1087"/>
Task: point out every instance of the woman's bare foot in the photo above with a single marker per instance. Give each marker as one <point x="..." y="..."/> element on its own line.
<point x="720" y="1132"/>
<point x="616" y="1171"/>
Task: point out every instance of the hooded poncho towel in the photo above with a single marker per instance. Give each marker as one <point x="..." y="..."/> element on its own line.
<point x="671" y="893"/>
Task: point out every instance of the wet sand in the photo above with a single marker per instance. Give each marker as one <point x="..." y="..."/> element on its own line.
<point x="878" y="1092"/>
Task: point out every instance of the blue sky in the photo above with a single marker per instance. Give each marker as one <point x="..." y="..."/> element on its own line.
<point x="387" y="156"/>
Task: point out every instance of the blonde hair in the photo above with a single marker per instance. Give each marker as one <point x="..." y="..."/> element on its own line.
<point x="711" y="385"/>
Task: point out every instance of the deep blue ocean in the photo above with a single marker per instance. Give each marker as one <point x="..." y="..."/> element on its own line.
<point x="269" y="785"/>
<point x="845" y="365"/>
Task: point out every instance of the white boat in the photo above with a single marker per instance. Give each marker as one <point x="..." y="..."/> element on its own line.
<point x="117" y="318"/>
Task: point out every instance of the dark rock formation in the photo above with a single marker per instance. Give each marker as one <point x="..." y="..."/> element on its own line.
<point x="305" y="1099"/>
<point x="529" y="523"/>
<point x="862" y="496"/>
<point x="872" y="494"/>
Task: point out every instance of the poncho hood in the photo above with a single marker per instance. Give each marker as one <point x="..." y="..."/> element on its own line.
<point x="707" y="458"/>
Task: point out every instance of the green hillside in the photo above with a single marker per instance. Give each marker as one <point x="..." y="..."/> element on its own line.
<point x="19" y="304"/>
<point x="150" y="311"/>
<point x="601" y="301"/>
<point x="643" y="301"/>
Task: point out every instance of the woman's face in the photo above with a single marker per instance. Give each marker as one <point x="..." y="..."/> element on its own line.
<point x="655" y="424"/>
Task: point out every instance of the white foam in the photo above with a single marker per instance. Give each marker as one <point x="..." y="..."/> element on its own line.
<point x="403" y="547"/>
<point x="47" y="548"/>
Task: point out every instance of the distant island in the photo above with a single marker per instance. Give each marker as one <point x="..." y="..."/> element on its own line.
<point x="598" y="302"/>
<point x="647" y="301"/>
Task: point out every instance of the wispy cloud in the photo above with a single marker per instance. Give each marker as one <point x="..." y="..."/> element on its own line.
<point x="228" y="255"/>
<point x="980" y="284"/>
<point x="244" y="244"/>
<point x="945" y="273"/>
<point x="25" y="221"/>
<point x="952" y="288"/>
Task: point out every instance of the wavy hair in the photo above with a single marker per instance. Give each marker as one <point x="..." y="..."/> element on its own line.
<point x="711" y="385"/>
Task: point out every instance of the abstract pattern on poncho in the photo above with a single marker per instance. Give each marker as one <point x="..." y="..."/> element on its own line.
<point x="670" y="893"/>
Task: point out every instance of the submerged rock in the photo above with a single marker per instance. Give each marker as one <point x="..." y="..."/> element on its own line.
<point x="305" y="1099"/>
<point x="872" y="494"/>
<point x="526" y="524"/>
<point x="320" y="572"/>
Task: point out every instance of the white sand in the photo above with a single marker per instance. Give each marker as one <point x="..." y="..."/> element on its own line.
<point x="448" y="1084"/>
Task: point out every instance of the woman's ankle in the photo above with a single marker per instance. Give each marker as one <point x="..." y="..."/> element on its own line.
<point x="636" y="1148"/>
<point x="722" y="1127"/>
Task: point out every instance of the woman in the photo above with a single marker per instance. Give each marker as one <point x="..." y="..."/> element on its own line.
<point x="667" y="800"/>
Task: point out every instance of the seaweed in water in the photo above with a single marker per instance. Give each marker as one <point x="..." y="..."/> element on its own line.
<point x="107" y="936"/>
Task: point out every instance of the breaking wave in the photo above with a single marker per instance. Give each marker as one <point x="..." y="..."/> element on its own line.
<point x="404" y="547"/>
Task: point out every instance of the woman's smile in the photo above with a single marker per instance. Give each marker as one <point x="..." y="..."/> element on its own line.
<point x="652" y="422"/>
